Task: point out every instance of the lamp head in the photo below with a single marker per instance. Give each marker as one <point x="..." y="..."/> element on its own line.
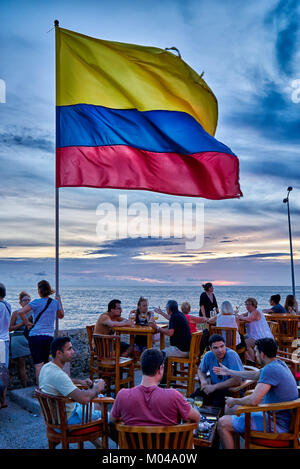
<point x="285" y="201"/>
<point x="290" y="189"/>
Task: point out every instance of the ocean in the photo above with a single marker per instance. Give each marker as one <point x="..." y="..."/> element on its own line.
<point x="83" y="305"/>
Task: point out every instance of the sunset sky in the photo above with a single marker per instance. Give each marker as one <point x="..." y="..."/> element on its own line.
<point x="250" y="55"/>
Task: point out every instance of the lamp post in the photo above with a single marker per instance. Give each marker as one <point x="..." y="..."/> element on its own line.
<point x="286" y="201"/>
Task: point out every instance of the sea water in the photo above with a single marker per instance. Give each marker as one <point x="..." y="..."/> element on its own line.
<point x="83" y="305"/>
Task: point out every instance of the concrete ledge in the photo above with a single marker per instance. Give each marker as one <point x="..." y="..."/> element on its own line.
<point x="23" y="397"/>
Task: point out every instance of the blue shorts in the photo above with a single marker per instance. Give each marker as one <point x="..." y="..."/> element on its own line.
<point x="76" y="416"/>
<point x="257" y="423"/>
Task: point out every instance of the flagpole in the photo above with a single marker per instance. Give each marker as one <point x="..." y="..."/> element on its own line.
<point x="56" y="25"/>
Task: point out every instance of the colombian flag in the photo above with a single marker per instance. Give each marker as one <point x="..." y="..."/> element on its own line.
<point x="136" y="117"/>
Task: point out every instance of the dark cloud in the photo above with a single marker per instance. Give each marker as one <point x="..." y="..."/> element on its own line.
<point x="27" y="138"/>
<point x="285" y="19"/>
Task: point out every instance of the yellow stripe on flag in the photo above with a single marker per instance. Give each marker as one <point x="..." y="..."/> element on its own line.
<point x="128" y="76"/>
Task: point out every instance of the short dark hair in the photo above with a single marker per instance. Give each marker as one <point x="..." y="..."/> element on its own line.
<point x="45" y="288"/>
<point x="275" y="298"/>
<point x="2" y="291"/>
<point x="268" y="346"/>
<point x="172" y="305"/>
<point x="151" y="361"/>
<point x="215" y="338"/>
<point x="112" y="304"/>
<point x="58" y="344"/>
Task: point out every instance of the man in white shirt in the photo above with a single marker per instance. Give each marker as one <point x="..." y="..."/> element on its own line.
<point x="54" y="380"/>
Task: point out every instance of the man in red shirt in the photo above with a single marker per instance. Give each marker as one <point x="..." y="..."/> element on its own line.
<point x="148" y="404"/>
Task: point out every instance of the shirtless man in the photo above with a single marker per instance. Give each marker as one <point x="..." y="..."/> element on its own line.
<point x="110" y="319"/>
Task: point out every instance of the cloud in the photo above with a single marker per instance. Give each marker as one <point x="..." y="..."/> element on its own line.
<point x="285" y="19"/>
<point x="28" y="138"/>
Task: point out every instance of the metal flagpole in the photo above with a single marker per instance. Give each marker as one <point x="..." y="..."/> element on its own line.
<point x="56" y="24"/>
<point x="286" y="201"/>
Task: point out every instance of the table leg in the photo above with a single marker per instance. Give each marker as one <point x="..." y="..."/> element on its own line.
<point x="149" y="340"/>
<point x="162" y="341"/>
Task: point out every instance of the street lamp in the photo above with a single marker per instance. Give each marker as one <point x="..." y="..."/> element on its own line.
<point x="286" y="201"/>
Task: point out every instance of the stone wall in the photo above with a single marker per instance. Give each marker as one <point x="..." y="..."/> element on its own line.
<point x="79" y="364"/>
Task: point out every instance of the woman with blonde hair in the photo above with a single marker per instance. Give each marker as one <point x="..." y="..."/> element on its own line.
<point x="227" y="318"/>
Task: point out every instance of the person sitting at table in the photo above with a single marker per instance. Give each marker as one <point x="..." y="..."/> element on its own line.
<point x="276" y="307"/>
<point x="256" y="328"/>
<point x="55" y="381"/>
<point x="178" y="330"/>
<point x="227" y="318"/>
<point x="142" y="316"/>
<point x="275" y="384"/>
<point x="214" y="392"/>
<point x="291" y="305"/>
<point x="112" y="318"/>
<point x="147" y="403"/>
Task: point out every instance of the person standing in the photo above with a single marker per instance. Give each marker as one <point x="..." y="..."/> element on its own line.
<point x="41" y="334"/>
<point x="18" y="342"/>
<point x="5" y="311"/>
<point x="208" y="300"/>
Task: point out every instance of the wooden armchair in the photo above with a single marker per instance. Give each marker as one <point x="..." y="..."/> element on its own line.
<point x="287" y="329"/>
<point x="110" y="365"/>
<point x="151" y="437"/>
<point x="270" y="438"/>
<point x="93" y="355"/>
<point x="58" y="430"/>
<point x="188" y="366"/>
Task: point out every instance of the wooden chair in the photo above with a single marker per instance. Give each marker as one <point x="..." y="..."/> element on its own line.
<point x="111" y="366"/>
<point x="273" y="328"/>
<point x="292" y="363"/>
<point x="229" y="334"/>
<point x="287" y="329"/>
<point x="271" y="438"/>
<point x="58" y="430"/>
<point x="152" y="437"/>
<point x="93" y="355"/>
<point x="188" y="366"/>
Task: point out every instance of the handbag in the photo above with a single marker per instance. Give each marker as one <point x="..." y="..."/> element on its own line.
<point x="26" y="330"/>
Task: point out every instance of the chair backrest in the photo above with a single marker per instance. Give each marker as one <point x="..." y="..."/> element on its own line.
<point x="287" y="324"/>
<point x="195" y="346"/>
<point x="90" y="332"/>
<point x="107" y="346"/>
<point x="273" y="325"/>
<point x="229" y="334"/>
<point x="160" y="437"/>
<point x="53" y="409"/>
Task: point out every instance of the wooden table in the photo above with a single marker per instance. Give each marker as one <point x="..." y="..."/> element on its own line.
<point x="147" y="331"/>
<point x="208" y="411"/>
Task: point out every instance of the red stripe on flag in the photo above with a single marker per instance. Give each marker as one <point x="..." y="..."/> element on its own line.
<point x="207" y="174"/>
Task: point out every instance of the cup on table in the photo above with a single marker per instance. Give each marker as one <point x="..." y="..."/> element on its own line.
<point x="198" y="402"/>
